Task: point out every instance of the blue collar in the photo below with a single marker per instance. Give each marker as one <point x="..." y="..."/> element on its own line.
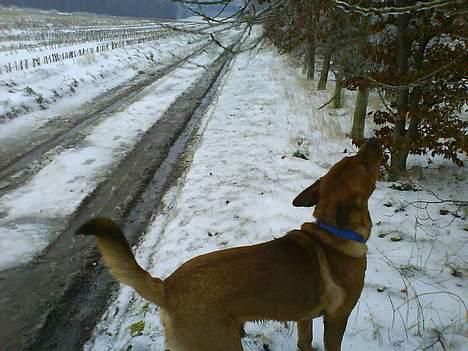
<point x="342" y="233"/>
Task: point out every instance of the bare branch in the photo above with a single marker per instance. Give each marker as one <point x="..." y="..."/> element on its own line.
<point x="422" y="80"/>
<point x="392" y="10"/>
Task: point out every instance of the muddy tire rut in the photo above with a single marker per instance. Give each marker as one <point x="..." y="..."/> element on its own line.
<point x="54" y="302"/>
<point x="20" y="161"/>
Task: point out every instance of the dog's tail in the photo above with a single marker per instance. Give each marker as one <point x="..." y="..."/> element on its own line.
<point x="119" y="258"/>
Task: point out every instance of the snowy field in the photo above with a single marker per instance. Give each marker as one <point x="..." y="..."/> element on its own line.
<point x="238" y="191"/>
<point x="76" y="80"/>
<point x="31" y="99"/>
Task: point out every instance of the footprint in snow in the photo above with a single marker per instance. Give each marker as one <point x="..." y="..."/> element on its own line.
<point x="89" y="161"/>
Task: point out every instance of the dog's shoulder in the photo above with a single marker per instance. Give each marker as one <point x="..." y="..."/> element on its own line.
<point x="305" y="240"/>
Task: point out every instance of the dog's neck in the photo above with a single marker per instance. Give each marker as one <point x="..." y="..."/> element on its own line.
<point x="347" y="247"/>
<point x="342" y="233"/>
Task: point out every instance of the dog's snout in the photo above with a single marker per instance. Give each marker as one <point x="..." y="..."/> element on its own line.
<point x="371" y="151"/>
<point x="373" y="142"/>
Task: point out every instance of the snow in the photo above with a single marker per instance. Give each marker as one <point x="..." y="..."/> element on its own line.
<point x="75" y="173"/>
<point x="238" y="191"/>
<point x="68" y="85"/>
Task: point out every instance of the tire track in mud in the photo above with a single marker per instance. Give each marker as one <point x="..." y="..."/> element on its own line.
<point x="18" y="166"/>
<point x="54" y="302"/>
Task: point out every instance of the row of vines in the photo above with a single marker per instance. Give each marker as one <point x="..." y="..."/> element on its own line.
<point x="32" y="39"/>
<point x="58" y="57"/>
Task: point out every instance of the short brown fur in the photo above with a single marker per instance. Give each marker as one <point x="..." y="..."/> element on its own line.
<point x="305" y="274"/>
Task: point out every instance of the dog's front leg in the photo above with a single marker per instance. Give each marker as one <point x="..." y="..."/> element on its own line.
<point x="334" y="326"/>
<point x="305" y="335"/>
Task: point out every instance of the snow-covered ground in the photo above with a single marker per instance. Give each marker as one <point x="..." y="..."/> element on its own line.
<point x="29" y="99"/>
<point x="43" y="92"/>
<point x="238" y="191"/>
<point x="76" y="172"/>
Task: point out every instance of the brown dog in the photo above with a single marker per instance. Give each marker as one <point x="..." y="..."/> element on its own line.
<point x="307" y="273"/>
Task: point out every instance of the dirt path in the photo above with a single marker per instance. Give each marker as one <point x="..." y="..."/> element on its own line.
<point x="54" y="302"/>
<point x="19" y="161"/>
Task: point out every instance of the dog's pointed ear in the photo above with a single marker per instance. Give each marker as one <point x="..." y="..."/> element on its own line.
<point x="309" y="197"/>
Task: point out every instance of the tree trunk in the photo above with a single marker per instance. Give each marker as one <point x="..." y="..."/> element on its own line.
<point x="309" y="62"/>
<point x="397" y="164"/>
<point x="360" y="111"/>
<point x="322" y="85"/>
<point x="398" y="152"/>
<point x="337" y="97"/>
<point x="411" y="100"/>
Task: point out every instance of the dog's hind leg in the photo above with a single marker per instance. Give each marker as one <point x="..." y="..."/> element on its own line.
<point x="222" y="335"/>
<point x="208" y="334"/>
<point x="305" y="335"/>
<point x="334" y="325"/>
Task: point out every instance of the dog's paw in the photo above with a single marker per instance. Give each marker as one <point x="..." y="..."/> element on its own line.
<point x="306" y="348"/>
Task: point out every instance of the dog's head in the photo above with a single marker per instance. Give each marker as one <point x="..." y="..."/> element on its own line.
<point x="340" y="196"/>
